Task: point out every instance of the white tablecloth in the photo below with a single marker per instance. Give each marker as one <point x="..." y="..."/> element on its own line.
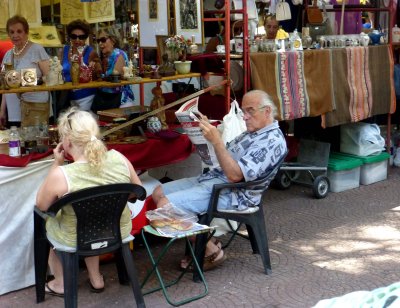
<point x="18" y="188"/>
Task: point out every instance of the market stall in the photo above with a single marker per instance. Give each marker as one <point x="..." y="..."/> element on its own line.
<point x="343" y="84"/>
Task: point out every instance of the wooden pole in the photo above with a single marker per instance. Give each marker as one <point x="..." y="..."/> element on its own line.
<point x="148" y="114"/>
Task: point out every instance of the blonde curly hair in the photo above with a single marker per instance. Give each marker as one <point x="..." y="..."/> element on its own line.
<point x="83" y="132"/>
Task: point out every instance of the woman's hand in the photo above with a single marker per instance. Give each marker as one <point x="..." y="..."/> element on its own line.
<point x="59" y="154"/>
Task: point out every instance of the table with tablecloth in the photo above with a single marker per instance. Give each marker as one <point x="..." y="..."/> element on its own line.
<point x="19" y="185"/>
<point x="341" y="84"/>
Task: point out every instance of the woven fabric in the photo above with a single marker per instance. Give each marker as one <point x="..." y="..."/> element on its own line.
<point x="292" y="93"/>
<point x="358" y="78"/>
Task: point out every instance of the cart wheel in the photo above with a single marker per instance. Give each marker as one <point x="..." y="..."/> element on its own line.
<point x="282" y="180"/>
<point x="321" y="186"/>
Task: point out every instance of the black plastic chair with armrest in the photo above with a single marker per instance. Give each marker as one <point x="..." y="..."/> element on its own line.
<point x="98" y="211"/>
<point x="253" y="218"/>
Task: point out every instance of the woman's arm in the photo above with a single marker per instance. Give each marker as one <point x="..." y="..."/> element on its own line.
<point x="55" y="184"/>
<point x="119" y="64"/>
<point x="44" y="66"/>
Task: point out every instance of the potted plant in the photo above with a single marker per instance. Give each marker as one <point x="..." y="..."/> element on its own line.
<point x="178" y="46"/>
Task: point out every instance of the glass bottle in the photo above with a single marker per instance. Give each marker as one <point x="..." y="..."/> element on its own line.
<point x="14" y="144"/>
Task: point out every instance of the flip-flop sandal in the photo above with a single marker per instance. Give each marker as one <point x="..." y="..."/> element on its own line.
<point x="211" y="263"/>
<point x="93" y="289"/>
<point x="207" y="260"/>
<point x="50" y="291"/>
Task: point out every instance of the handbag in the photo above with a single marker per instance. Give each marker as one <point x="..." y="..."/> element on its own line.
<point x="233" y="123"/>
<point x="251" y="10"/>
<point x="31" y="111"/>
<point x="314" y="14"/>
<point x="323" y="28"/>
<point x="283" y="11"/>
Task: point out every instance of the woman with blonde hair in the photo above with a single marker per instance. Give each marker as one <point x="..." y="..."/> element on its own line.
<point x="92" y="166"/>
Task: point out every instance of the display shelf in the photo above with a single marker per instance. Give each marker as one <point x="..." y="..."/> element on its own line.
<point x="95" y="84"/>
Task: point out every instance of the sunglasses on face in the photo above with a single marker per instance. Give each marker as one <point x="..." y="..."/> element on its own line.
<point x="82" y="37"/>
<point x="102" y="39"/>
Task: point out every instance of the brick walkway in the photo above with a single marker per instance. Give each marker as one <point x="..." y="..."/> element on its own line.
<point x="320" y="248"/>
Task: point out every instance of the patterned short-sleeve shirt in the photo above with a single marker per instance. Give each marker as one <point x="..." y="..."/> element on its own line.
<point x="257" y="154"/>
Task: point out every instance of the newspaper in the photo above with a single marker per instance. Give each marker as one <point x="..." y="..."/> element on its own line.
<point x="168" y="231"/>
<point x="191" y="127"/>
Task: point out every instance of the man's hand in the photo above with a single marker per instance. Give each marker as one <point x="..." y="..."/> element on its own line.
<point x="210" y="132"/>
<point x="229" y="166"/>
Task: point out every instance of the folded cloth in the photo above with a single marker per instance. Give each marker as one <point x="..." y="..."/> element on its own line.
<point x="22" y="161"/>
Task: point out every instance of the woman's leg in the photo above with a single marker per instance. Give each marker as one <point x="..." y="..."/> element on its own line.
<point x="93" y="266"/>
<point x="57" y="284"/>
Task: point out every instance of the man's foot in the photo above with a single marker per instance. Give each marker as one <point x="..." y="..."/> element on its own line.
<point x="210" y="261"/>
<point x="214" y="260"/>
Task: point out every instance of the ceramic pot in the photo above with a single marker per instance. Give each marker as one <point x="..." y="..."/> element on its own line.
<point x="183" y="67"/>
<point x="153" y="125"/>
<point x="375" y="37"/>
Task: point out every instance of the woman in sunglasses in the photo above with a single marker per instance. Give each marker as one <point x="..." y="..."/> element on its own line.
<point x="113" y="60"/>
<point x="78" y="32"/>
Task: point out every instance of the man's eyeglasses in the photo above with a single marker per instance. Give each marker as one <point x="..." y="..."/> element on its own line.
<point x="81" y="37"/>
<point x="251" y="111"/>
<point x="102" y="40"/>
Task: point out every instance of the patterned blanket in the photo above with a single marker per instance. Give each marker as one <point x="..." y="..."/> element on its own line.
<point x="342" y="84"/>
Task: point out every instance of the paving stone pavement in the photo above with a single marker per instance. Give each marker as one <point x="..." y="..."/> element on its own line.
<point x="346" y="242"/>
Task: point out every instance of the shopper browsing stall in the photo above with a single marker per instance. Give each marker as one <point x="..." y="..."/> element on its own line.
<point x="113" y="60"/>
<point x="93" y="166"/>
<point x="78" y="32"/>
<point x="271" y="26"/>
<point x="20" y="109"/>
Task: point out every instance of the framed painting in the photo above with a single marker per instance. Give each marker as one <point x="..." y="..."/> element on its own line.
<point x="161" y="48"/>
<point x="188" y="19"/>
<point x="150" y="27"/>
<point x="153" y="9"/>
<point x="99" y="11"/>
<point x="71" y="10"/>
<point x="31" y="12"/>
<point x="4" y="13"/>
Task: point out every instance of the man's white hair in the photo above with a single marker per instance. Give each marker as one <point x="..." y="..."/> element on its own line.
<point x="266" y="100"/>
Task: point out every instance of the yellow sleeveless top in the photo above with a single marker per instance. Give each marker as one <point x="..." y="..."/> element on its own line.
<point x="62" y="228"/>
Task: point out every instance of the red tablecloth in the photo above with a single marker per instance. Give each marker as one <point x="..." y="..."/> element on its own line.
<point x="155" y="152"/>
<point x="8" y="161"/>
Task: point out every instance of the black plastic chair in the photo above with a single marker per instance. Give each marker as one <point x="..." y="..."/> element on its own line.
<point x="98" y="211"/>
<point x="253" y="218"/>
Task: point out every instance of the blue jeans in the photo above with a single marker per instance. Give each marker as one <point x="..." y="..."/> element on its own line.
<point x="191" y="195"/>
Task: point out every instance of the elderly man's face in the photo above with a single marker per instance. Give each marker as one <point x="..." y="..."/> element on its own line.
<point x="271" y="28"/>
<point x="256" y="117"/>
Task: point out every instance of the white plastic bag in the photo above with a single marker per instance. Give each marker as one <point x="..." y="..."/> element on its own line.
<point x="233" y="123"/>
<point x="361" y="139"/>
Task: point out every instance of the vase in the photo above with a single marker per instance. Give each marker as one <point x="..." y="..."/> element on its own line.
<point x="183" y="67"/>
<point x="75" y="72"/>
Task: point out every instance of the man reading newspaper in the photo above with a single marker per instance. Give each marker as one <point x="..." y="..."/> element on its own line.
<point x="251" y="155"/>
